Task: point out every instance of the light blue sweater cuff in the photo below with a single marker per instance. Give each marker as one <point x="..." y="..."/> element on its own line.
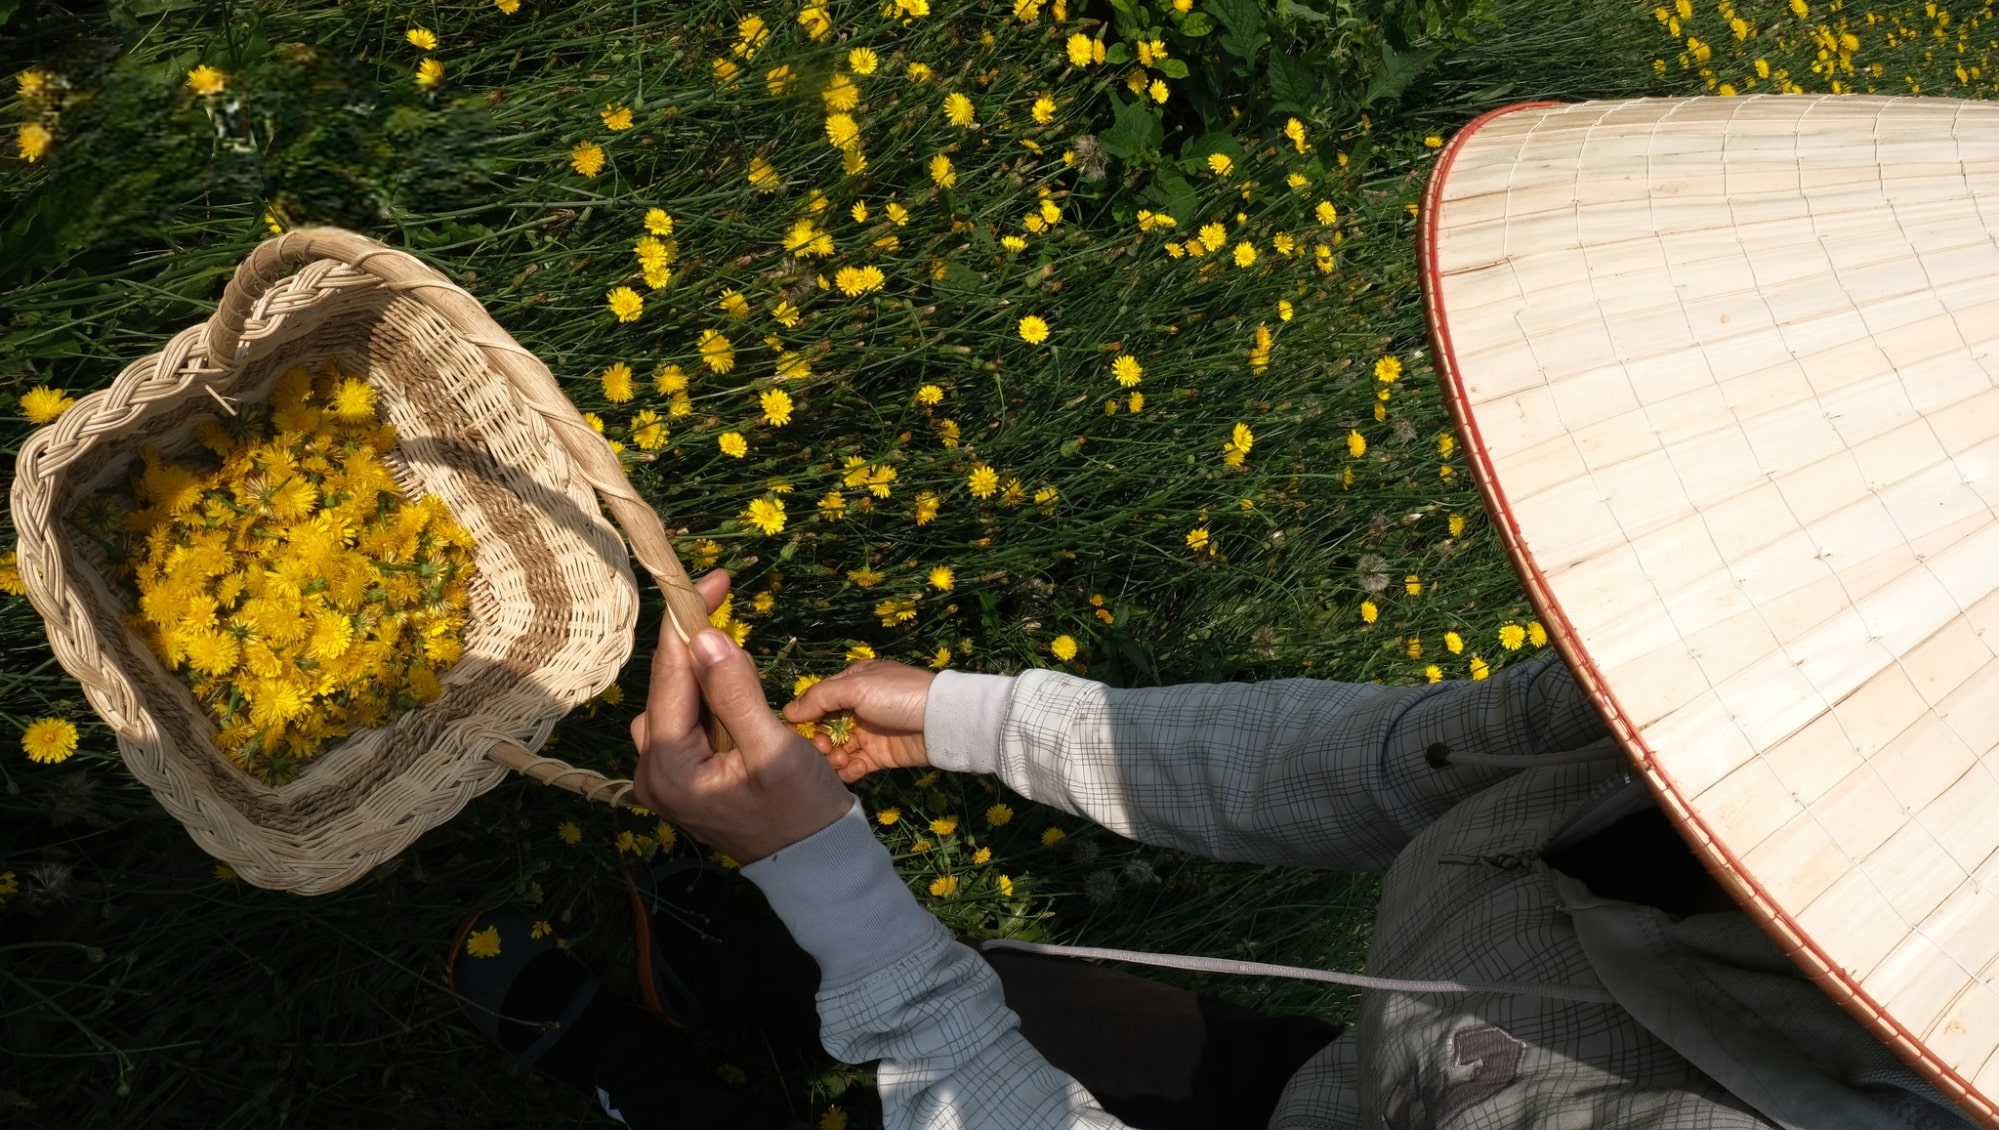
<point x="837" y="892"/>
<point x="962" y="719"/>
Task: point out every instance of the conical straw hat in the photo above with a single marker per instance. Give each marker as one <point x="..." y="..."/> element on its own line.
<point x="1727" y="370"/>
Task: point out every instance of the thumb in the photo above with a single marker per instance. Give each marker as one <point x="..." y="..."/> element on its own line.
<point x="729" y="683"/>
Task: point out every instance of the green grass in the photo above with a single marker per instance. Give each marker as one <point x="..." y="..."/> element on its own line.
<point x="138" y="988"/>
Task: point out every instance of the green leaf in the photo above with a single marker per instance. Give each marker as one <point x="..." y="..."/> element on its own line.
<point x="1118" y="55"/>
<point x="1293" y="81"/>
<point x="1172" y="68"/>
<point x="1196" y="25"/>
<point x="961" y="278"/>
<point x="7" y="10"/>
<point x="1292" y="10"/>
<point x="1398" y="69"/>
<point x="1175" y="195"/>
<point x="1244" y="21"/>
<point x="1136" y="130"/>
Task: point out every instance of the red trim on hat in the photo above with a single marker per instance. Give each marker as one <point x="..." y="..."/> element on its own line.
<point x="1819" y="966"/>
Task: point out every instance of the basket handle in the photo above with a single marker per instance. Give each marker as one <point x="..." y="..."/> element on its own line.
<point x="402" y="273"/>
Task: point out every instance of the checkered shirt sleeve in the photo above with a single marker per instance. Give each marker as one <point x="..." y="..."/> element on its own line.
<point x="1295" y="771"/>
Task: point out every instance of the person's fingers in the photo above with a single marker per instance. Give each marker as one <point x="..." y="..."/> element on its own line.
<point x="673" y="702"/>
<point x="729" y="683"/>
<point x="827" y="696"/>
<point x="714" y="588"/>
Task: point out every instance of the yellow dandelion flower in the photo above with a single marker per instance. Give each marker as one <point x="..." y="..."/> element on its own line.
<point x="806" y="240"/>
<point x="816" y="22"/>
<point x="1043" y="110"/>
<point x="1433" y="673"/>
<point x="841" y="131"/>
<point x="1536" y="634"/>
<point x="429" y="74"/>
<point x="1480" y="669"/>
<point x="998" y="816"/>
<point x="1511" y="636"/>
<point x="1053" y="836"/>
<point x="587" y="158"/>
<point x="1063" y="648"/>
<point x="776" y="406"/>
<point x="206" y="80"/>
<point x="1220" y="164"/>
<point x="863" y="61"/>
<point x="958" y="109"/>
<point x="929" y="394"/>
<point x="859" y="652"/>
<point x="941" y="172"/>
<point x="888" y="816"/>
<point x="32" y="141"/>
<point x="785" y="314"/>
<point x="1013" y="243"/>
<point x="833" y="1119"/>
<point x="944" y="825"/>
<point x="1033" y="330"/>
<point x="1197" y="539"/>
<point x="1356" y="444"/>
<point x="616" y="116"/>
<point x="856" y="281"/>
<point x="927" y="505"/>
<point x="1079" y="48"/>
<point x="1294" y="131"/>
<point x="1454" y="643"/>
<point x="717" y="352"/>
<point x="944" y="887"/>
<point x="484" y="943"/>
<point x="625" y="303"/>
<point x="1245" y="254"/>
<point x="617" y="382"/>
<point x="648" y="431"/>
<point x="918" y="72"/>
<point x="751" y="32"/>
<point x="942" y="578"/>
<point x="763" y="176"/>
<point x="1158" y="91"/>
<point x="1388" y="370"/>
<point x="1369" y="612"/>
<point x="983" y="481"/>
<point x="1326" y="212"/>
<point x="507" y="7"/>
<point x="766" y="514"/>
<point x="423" y="39"/>
<point x="733" y="444"/>
<point x="48" y="741"/>
<point x="42" y="404"/>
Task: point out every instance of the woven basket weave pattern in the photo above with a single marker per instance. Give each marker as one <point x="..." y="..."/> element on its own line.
<point x="551" y="610"/>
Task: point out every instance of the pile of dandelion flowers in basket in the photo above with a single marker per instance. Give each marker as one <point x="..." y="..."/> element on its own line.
<point x="287" y="579"/>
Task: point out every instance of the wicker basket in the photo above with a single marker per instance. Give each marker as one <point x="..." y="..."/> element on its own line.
<point x="480" y="424"/>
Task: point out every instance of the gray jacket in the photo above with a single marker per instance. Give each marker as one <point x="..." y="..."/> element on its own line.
<point x="1713" y="1027"/>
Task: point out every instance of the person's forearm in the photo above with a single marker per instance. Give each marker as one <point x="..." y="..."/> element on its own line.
<point x="895" y="987"/>
<point x="1293" y="771"/>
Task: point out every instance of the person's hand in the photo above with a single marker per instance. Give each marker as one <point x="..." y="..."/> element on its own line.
<point x="887" y="702"/>
<point x="769" y="792"/>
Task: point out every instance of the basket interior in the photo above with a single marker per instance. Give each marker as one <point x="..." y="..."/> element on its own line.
<point x="551" y="606"/>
